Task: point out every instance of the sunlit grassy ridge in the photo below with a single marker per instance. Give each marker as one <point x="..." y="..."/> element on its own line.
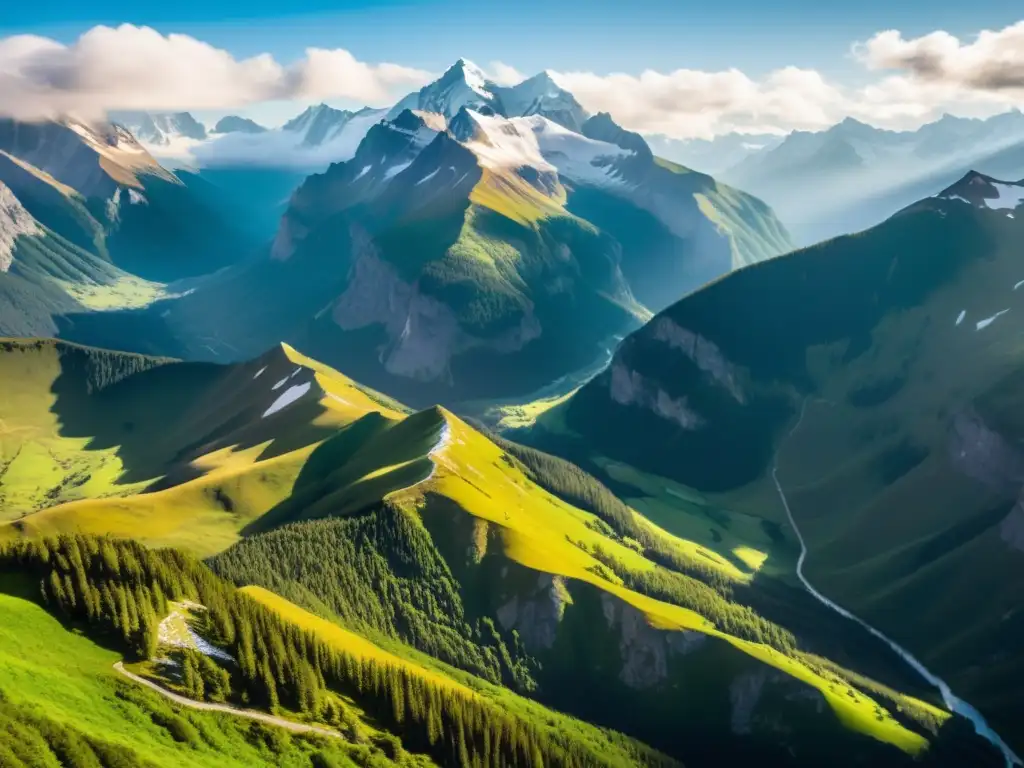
<point x="543" y="533"/>
<point x="64" y="439"/>
<point x="335" y="449"/>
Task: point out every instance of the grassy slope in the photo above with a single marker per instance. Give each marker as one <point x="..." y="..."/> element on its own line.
<point x="754" y="232"/>
<point x="123" y="446"/>
<point x="865" y="329"/>
<point x="385" y="456"/>
<point x="69" y="679"/>
<point x="545" y="534"/>
<point x="342" y="639"/>
<point x="50" y="278"/>
<point x="600" y="740"/>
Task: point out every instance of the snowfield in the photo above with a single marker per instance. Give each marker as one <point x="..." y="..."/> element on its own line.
<point x="288" y="397"/>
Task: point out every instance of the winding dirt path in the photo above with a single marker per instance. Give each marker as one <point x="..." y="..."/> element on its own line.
<point x="251" y="714"/>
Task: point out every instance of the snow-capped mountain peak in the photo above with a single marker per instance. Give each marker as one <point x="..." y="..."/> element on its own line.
<point x="161" y="128"/>
<point x="472" y="76"/>
<point x="541" y="95"/>
<point x="463" y="84"/>
<point x="983" y="191"/>
<point x="319" y="124"/>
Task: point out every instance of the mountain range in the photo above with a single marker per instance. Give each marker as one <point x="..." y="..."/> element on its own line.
<point x="853" y="175"/>
<point x="92" y="222"/>
<point x="580" y="463"/>
<point x="462" y="254"/>
<point x="871" y="406"/>
<point x="554" y="593"/>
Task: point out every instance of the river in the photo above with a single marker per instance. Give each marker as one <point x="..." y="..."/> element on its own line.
<point x="953" y="702"/>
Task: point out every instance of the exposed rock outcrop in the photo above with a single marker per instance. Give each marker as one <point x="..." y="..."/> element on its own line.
<point x="15" y="222"/>
<point x="628" y="387"/>
<point x="1011" y="530"/>
<point x="704" y="353"/>
<point x="980" y="452"/>
<point x="645" y="650"/>
<point x="423" y="333"/>
<point x="536" y="616"/>
<point x="744" y="695"/>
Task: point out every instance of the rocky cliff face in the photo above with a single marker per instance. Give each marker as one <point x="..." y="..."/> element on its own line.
<point x="537" y="614"/>
<point x="15" y="222"/>
<point x="645" y="651"/>
<point x="423" y="333"/>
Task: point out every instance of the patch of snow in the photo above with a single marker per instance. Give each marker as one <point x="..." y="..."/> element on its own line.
<point x="341" y="400"/>
<point x="136" y="198"/>
<point x="396" y="169"/>
<point x="286" y="398"/>
<point x="1018" y="285"/>
<point x="989" y="320"/>
<point x="1010" y="196"/>
<point x="475" y="78"/>
<point x="1009" y="215"/>
<point x="961" y="316"/>
<point x="502" y="143"/>
<point x="295" y="373"/>
<point x="463" y="176"/>
<point x="366" y="170"/>
<point x="443" y="441"/>
<point x="958" y="197"/>
<point x="281" y="383"/>
<point x="545" y="145"/>
<point x="259" y="372"/>
<point x="209" y="649"/>
<point x="428" y="177"/>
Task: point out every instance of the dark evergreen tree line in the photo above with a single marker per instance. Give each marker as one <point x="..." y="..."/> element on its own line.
<point x="382" y="573"/>
<point x="279" y="664"/>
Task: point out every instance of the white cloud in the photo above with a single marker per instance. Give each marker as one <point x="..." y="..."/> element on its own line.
<point x="131" y="67"/>
<point x="919" y="79"/>
<point x="504" y="74"/>
<point x="690" y="102"/>
<point x="993" y="63"/>
<point x="911" y="81"/>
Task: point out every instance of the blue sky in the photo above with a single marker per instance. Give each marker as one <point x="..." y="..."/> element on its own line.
<point x="596" y="35"/>
<point x="734" y="53"/>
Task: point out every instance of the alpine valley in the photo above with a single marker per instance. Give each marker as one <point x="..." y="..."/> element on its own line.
<point x="470" y="431"/>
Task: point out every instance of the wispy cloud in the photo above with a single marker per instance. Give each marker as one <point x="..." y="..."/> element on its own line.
<point x="504" y="74"/>
<point x="129" y="67"/>
<point x="918" y="80"/>
<point x="994" y="62"/>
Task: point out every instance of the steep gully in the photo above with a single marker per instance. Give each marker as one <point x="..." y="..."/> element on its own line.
<point x="952" y="701"/>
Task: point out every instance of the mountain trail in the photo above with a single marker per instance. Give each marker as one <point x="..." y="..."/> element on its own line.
<point x="226" y="708"/>
<point x="953" y="703"/>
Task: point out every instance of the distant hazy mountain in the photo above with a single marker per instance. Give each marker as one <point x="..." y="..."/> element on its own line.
<point x="854" y="175"/>
<point x="90" y="221"/>
<point x="160" y="128"/>
<point x="713" y="155"/>
<point x="876" y="381"/>
<point x="235" y="124"/>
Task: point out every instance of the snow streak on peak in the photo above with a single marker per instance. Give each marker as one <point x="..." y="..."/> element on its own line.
<point x="474" y="77"/>
<point x="539" y="143"/>
<point x="983" y="191"/>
